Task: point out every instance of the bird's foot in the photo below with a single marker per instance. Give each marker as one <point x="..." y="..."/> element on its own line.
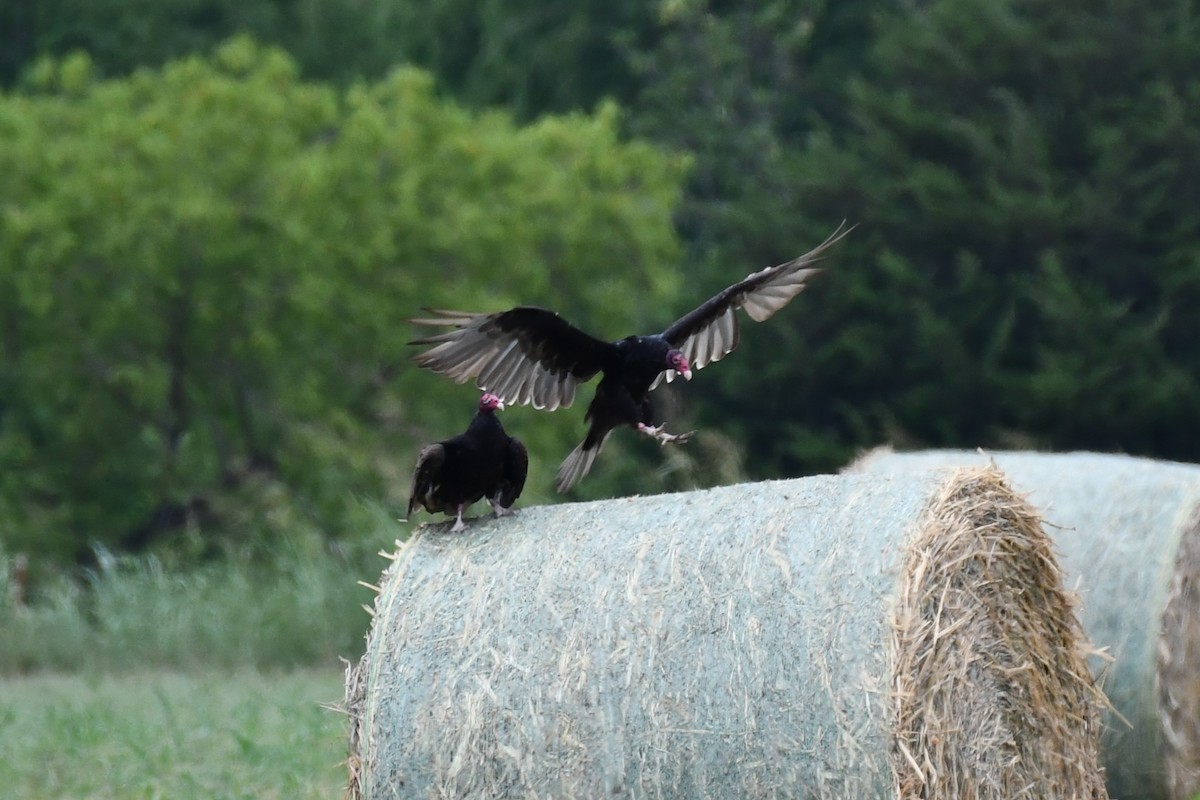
<point x="499" y="510"/>
<point x="657" y="432"/>
<point x="458" y="522"/>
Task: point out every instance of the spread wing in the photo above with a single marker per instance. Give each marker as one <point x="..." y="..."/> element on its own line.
<point x="525" y="355"/>
<point x="710" y="332"/>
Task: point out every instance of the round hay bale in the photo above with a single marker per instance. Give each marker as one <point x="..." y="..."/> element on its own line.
<point x="1179" y="668"/>
<point x="1128" y="532"/>
<point x="830" y="637"/>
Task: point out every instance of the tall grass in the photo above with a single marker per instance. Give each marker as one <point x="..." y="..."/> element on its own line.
<point x="132" y="614"/>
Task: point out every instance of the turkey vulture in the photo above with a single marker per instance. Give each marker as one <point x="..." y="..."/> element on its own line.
<point x="531" y="355"/>
<point x="484" y="461"/>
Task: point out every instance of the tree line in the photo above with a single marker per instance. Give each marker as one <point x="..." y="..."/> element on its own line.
<point x="205" y="268"/>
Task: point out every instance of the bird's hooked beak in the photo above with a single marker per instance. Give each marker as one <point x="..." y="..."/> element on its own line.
<point x="687" y="373"/>
<point x="499" y="404"/>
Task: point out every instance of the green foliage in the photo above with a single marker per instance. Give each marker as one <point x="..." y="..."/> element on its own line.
<point x="1024" y="174"/>
<point x="534" y="57"/>
<point x="332" y="39"/>
<point x="728" y="84"/>
<point x="205" y="270"/>
<point x="747" y="89"/>
<point x="122" y="35"/>
<point x="158" y="734"/>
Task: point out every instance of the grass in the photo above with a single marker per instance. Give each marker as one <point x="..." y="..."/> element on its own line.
<point x="149" y="680"/>
<point x="136" y="614"/>
<point x="160" y="734"/>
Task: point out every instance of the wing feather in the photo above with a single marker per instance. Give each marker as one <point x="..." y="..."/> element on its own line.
<point x="516" y="468"/>
<point x="697" y="349"/>
<point x="499" y="363"/>
<point x="501" y="372"/>
<point x="710" y="332"/>
<point x="523" y="394"/>
<point x="526" y="355"/>
<point x="426" y="476"/>
<point x="544" y="389"/>
<point x="728" y="327"/>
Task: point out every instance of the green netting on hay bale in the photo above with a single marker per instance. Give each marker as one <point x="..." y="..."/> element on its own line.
<point x="1128" y="532"/>
<point x="837" y="636"/>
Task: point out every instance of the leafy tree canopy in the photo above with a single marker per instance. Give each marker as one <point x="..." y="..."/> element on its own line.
<point x="204" y="272"/>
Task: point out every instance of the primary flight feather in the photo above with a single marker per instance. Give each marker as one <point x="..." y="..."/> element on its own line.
<point x="532" y="356"/>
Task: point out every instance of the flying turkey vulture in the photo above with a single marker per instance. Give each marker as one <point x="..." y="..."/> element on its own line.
<point x="484" y="461"/>
<point x="531" y="355"/>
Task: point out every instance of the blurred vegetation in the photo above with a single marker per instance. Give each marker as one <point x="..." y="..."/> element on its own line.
<point x="205" y="272"/>
<point x="1024" y="175"/>
<point x="208" y="246"/>
<point x="135" y="613"/>
<point x="234" y="735"/>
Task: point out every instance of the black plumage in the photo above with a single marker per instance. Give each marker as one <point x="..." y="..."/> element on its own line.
<point x="529" y="355"/>
<point x="482" y="462"/>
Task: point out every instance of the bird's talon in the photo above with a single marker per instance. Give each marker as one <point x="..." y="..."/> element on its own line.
<point x="652" y="431"/>
<point x="676" y="438"/>
<point x="657" y="432"/>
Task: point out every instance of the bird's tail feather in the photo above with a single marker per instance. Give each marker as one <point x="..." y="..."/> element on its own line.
<point x="577" y="464"/>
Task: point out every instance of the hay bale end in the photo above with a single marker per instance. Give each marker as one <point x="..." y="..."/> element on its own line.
<point x="1128" y="533"/>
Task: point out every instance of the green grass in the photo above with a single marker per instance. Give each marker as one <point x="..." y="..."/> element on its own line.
<point x="149" y="678"/>
<point x="133" y="614"/>
<point x="157" y="734"/>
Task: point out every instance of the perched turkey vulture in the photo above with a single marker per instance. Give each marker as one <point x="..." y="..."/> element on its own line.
<point x="531" y="355"/>
<point x="484" y="461"/>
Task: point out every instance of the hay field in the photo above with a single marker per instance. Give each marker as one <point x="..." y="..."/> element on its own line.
<point x="169" y="735"/>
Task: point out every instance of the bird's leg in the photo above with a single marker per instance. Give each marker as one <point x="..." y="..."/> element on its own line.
<point x="657" y="432"/>
<point x="458" y="523"/>
<point x="498" y="509"/>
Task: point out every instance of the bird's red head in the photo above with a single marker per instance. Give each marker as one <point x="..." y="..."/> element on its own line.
<point x="490" y="402"/>
<point x="678" y="362"/>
